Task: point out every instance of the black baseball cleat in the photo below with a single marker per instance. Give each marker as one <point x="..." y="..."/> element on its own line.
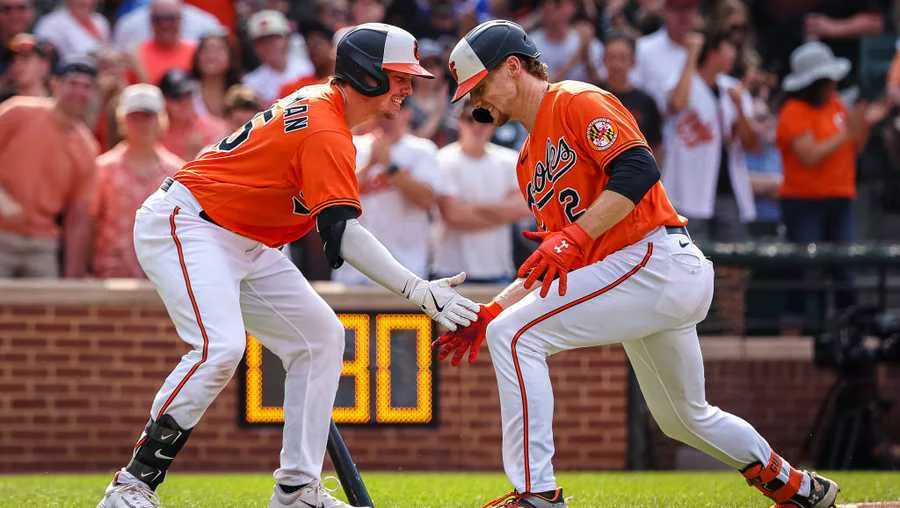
<point x="822" y="494"/>
<point x="552" y="499"/>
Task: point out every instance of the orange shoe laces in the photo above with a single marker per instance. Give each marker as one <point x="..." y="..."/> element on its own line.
<point x="503" y="500"/>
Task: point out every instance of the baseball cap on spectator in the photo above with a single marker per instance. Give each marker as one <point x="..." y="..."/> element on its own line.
<point x="176" y="83"/>
<point x="141" y="97"/>
<point x="77" y="64"/>
<point x="267" y="22"/>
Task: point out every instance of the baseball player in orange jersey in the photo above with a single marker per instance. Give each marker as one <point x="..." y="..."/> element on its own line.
<point x="208" y="241"/>
<point x="615" y="264"/>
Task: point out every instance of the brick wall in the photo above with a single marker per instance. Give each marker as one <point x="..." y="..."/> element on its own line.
<point x="76" y="381"/>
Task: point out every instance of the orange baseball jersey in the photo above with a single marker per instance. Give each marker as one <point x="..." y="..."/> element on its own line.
<point x="579" y="129"/>
<point x="268" y="180"/>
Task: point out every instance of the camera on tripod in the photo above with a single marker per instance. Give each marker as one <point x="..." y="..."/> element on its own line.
<point x="848" y="432"/>
<point x="860" y="339"/>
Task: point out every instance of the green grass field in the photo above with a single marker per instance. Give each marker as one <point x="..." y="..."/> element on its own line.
<point x="445" y="490"/>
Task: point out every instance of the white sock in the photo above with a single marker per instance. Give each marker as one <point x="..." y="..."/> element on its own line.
<point x="805" y="486"/>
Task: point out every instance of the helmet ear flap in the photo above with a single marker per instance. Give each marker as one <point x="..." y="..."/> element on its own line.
<point x="365" y="67"/>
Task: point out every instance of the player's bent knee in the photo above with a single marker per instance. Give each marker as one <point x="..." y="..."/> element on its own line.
<point x="225" y="358"/>
<point x="498" y="333"/>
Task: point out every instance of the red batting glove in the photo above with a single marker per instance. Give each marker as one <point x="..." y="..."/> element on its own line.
<point x="559" y="252"/>
<point x="468" y="338"/>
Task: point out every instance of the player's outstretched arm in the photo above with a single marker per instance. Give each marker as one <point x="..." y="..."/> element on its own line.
<point x="436" y="298"/>
<point x="468" y="339"/>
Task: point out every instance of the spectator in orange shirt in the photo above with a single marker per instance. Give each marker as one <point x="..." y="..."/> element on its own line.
<point x="126" y="175"/>
<point x="215" y="68"/>
<point x="819" y="140"/>
<point x="188" y="133"/>
<point x="166" y="49"/>
<point x="320" y="48"/>
<point x="240" y="106"/>
<point x="47" y="157"/>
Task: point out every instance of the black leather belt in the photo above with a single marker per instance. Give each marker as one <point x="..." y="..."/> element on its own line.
<point x="167" y="183"/>
<point x="677" y="230"/>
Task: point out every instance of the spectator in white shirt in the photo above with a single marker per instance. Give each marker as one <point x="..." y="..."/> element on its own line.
<point x="570" y="52"/>
<point x="134" y="27"/>
<point x="479" y="201"/>
<point x="704" y="168"/>
<point x="269" y="30"/>
<point x="75" y="29"/>
<point x="661" y="54"/>
<point x="398" y="180"/>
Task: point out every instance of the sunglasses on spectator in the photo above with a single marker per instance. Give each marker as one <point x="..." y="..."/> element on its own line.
<point x="161" y="18"/>
<point x="7" y="8"/>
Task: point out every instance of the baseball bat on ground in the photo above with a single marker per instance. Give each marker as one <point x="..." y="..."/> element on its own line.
<point x="346" y="470"/>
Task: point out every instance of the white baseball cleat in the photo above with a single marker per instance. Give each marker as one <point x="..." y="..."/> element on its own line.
<point x="129" y="495"/>
<point x="313" y="495"/>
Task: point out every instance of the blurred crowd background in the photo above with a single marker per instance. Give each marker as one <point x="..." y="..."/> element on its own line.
<point x="771" y="120"/>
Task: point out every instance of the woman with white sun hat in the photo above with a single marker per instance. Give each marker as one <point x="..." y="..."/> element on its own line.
<point x="819" y="139"/>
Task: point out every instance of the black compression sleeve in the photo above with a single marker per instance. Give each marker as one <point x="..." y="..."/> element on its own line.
<point x="632" y="173"/>
<point x="331" y="222"/>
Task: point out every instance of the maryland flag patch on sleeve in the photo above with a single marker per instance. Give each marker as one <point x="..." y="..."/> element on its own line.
<point x="601" y="133"/>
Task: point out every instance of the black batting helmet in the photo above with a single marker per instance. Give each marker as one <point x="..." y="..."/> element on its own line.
<point x="369" y="50"/>
<point x="483" y="49"/>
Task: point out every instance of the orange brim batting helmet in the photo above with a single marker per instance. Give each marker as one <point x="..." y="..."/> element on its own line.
<point x="483" y="49"/>
<point x="370" y="50"/>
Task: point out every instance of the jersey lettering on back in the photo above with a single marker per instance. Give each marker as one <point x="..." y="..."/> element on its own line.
<point x="269" y="179"/>
<point x="562" y="166"/>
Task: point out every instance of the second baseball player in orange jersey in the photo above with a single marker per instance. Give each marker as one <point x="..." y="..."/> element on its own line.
<point x="615" y="265"/>
<point x="205" y="239"/>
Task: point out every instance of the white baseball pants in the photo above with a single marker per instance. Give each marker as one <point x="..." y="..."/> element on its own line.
<point x="649" y="296"/>
<point x="216" y="286"/>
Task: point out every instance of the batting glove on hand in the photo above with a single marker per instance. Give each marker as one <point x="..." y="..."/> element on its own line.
<point x="466" y="339"/>
<point x="441" y="302"/>
<point x="559" y="252"/>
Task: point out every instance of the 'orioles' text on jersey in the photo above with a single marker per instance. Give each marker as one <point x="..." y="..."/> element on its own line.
<point x="562" y="166"/>
<point x="268" y="180"/>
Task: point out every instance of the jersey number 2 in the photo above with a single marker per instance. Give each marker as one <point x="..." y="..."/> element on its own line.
<point x="570" y="200"/>
<point x="238" y="137"/>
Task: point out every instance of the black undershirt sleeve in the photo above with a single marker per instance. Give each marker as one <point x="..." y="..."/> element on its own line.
<point x="632" y="173"/>
<point x="330" y="223"/>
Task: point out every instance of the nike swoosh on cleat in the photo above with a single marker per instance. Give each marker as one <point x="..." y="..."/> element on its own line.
<point x="159" y="455"/>
<point x="683" y="243"/>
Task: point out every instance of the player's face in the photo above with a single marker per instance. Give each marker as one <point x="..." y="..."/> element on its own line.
<point x="400" y="88"/>
<point x="495" y="93"/>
